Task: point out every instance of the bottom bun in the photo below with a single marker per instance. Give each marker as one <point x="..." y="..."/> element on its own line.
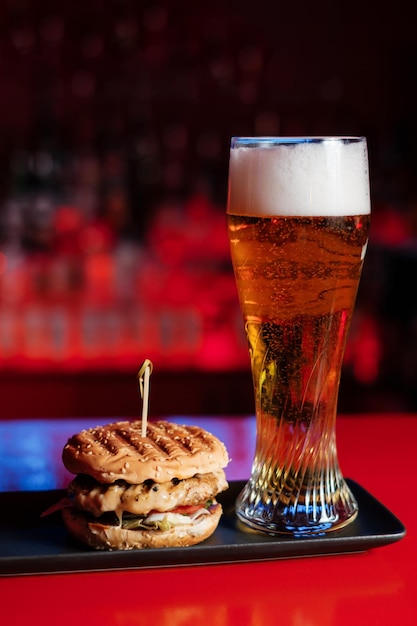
<point x="106" y="537"/>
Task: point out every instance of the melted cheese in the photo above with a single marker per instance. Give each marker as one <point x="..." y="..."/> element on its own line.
<point x="142" y="499"/>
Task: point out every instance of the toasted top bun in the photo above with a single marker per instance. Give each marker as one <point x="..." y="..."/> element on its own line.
<point x="118" y="451"/>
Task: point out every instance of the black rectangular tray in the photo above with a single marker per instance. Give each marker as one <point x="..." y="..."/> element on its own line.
<point x="30" y="544"/>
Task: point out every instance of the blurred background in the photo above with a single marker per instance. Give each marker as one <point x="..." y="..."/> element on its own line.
<point x="115" y="126"/>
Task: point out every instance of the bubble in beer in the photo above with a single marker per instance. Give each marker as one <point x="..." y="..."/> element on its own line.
<point x="316" y="177"/>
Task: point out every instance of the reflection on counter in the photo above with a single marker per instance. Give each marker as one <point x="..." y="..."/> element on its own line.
<point x="31" y="450"/>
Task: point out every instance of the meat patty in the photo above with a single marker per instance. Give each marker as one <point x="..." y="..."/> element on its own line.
<point x="98" y="498"/>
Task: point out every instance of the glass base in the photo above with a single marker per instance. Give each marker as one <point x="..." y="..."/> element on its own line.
<point x="311" y="511"/>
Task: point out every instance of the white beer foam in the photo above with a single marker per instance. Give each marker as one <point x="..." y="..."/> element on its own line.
<point x="322" y="178"/>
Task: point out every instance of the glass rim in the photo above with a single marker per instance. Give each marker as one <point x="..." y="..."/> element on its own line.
<point x="237" y="141"/>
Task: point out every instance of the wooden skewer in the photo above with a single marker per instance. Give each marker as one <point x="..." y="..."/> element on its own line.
<point x="144" y="375"/>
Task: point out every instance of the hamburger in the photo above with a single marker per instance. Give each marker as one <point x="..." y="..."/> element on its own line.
<point x="134" y="491"/>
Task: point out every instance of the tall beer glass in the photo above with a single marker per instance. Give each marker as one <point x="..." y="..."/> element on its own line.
<point x="298" y="217"/>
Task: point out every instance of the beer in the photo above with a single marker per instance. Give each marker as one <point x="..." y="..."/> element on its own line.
<point x="297" y="273"/>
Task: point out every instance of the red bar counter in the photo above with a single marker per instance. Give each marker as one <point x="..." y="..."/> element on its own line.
<point x="376" y="587"/>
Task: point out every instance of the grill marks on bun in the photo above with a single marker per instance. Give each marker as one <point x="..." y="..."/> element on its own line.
<point x="118" y="451"/>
